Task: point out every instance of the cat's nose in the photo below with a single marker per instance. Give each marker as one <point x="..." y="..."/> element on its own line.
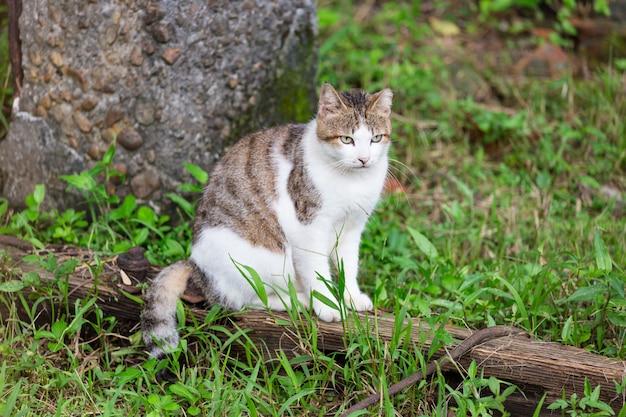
<point x="364" y="159"/>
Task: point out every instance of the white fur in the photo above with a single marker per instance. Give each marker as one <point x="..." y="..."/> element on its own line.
<point x="216" y="252"/>
<point x="349" y="194"/>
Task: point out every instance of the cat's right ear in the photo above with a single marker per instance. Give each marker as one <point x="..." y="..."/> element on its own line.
<point x="330" y="102"/>
<point x="381" y="102"/>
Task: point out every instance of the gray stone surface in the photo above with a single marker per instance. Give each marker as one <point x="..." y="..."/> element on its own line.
<point x="171" y="81"/>
<point x="32" y="153"/>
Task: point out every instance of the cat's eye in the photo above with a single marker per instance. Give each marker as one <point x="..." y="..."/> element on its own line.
<point x="346" y="139"/>
<point x="377" y="138"/>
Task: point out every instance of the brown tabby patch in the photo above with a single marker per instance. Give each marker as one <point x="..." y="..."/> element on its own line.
<point x="241" y="191"/>
<point x="305" y="196"/>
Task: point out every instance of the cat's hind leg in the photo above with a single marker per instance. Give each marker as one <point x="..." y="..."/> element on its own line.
<point x="236" y="268"/>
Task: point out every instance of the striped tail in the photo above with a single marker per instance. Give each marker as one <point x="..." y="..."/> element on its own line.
<point x="158" y="320"/>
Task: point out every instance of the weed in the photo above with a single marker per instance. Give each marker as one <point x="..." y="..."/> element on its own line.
<point x="589" y="405"/>
<point x="470" y="399"/>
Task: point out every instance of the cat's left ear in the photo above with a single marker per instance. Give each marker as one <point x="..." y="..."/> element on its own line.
<point x="380" y="102"/>
<point x="329" y="102"/>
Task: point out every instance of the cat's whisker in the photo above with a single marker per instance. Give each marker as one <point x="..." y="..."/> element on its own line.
<point x="340" y="166"/>
<point x="404" y="194"/>
<point x="336" y="166"/>
<point x="405" y="171"/>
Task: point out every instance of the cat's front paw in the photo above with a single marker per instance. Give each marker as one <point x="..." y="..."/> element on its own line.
<point x="359" y="302"/>
<point x="326" y="313"/>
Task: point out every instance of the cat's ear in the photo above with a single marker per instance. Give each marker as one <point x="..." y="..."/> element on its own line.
<point x="380" y="102"/>
<point x="330" y="102"/>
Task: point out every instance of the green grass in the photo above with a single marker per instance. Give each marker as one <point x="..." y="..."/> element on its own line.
<point x="514" y="214"/>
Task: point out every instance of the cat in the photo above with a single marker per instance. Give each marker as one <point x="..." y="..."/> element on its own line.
<point x="285" y="201"/>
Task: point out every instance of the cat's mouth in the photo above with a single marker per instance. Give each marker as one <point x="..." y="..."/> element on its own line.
<point x="356" y="165"/>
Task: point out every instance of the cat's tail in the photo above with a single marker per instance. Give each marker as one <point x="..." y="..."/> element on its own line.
<point x="158" y="320"/>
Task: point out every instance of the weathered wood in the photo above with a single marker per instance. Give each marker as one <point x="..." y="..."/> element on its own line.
<point x="536" y="367"/>
<point x="15" y="47"/>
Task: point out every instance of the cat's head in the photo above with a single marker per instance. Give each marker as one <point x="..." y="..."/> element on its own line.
<point x="354" y="127"/>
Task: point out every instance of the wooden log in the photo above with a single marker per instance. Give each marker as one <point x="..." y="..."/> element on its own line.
<point x="536" y="367"/>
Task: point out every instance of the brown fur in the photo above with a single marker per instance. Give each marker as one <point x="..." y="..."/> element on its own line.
<point x="241" y="191"/>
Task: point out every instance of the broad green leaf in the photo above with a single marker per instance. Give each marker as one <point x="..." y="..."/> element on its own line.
<point x="123" y="246"/>
<point x="107" y="158"/>
<point x="173" y="248"/>
<point x="603" y="258"/>
<point x="83" y="181"/>
<point x="471" y="298"/>
<point x="39" y="193"/>
<point x="184" y="391"/>
<point x="58" y="328"/>
<point x="32" y="258"/>
<point x="567" y="329"/>
<point x="325" y="300"/>
<point x="587" y="293"/>
<point x="182" y="203"/>
<point x="31" y="279"/>
<point x="154" y="399"/>
<point x="125" y="210"/>
<point x="141" y="235"/>
<point x="424" y="244"/>
<point x="617" y="318"/>
<point x="198" y="173"/>
<point x="543" y="180"/>
<point x="43" y="334"/>
<point x="66" y="268"/>
<point x="494" y="385"/>
<point x="147" y="215"/>
<point x="33" y="209"/>
<point x="13" y="285"/>
<point x="171" y="406"/>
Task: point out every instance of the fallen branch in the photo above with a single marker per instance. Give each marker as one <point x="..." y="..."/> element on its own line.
<point x="455" y="354"/>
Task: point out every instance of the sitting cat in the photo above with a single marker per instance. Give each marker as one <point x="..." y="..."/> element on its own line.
<point x="284" y="201"/>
